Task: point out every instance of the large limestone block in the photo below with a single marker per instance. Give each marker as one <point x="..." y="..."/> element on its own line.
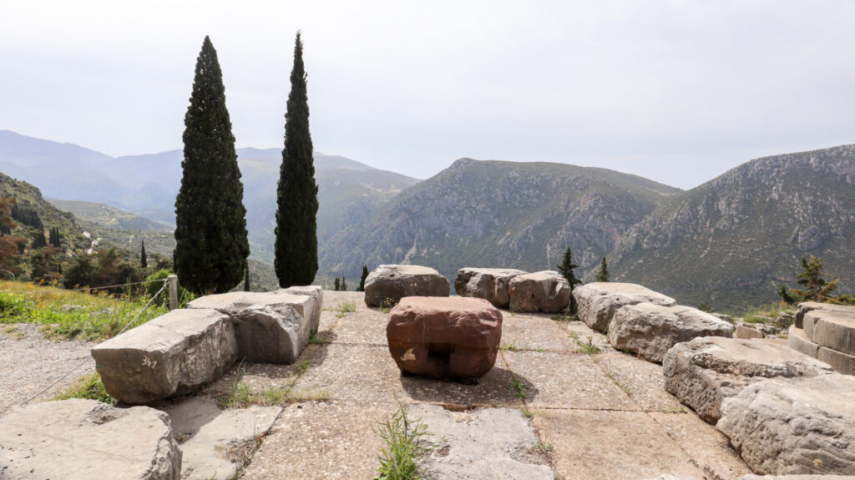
<point x="805" y="307"/>
<point x="545" y="291"/>
<point x="84" y="440"/>
<point x="798" y="341"/>
<point x="391" y="283"/>
<point x="651" y="330"/>
<point x="174" y="354"/>
<point x="596" y="303"/>
<point x="839" y="361"/>
<point x="703" y="372"/>
<point x="491" y="284"/>
<point x="444" y="337"/>
<point x="794" y="426"/>
<point x="831" y="329"/>
<point x="270" y="327"/>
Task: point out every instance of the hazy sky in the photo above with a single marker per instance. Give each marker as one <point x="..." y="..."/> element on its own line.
<point x="677" y="91"/>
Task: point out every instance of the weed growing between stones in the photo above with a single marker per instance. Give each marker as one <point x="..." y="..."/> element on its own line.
<point x="406" y="441"/>
<point x="519" y="388"/>
<point x="387" y="305"/>
<point x="87" y="387"/>
<point x="565" y="316"/>
<point x="509" y="347"/>
<point x="321" y="338"/>
<point x="611" y="376"/>
<point x="588" y="348"/>
<point x="348" y="307"/>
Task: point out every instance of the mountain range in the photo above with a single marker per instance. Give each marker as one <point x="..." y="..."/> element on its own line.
<point x="728" y="242"/>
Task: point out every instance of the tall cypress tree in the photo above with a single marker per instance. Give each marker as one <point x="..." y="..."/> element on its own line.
<point x="247" y="287"/>
<point x="210" y="235"/>
<point x="361" y="286"/>
<point x="143" y="258"/>
<point x="296" y="261"/>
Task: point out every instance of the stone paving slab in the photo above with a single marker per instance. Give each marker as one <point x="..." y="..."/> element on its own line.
<point x="560" y="380"/>
<point x="362" y="327"/>
<point x="486" y="444"/>
<point x="641" y="380"/>
<point x="261" y="376"/>
<point x="532" y="333"/>
<point x="601" y="445"/>
<point x="704" y="444"/>
<point x="322" y="440"/>
<point x="493" y="389"/>
<point x="356" y="373"/>
<point x="206" y="434"/>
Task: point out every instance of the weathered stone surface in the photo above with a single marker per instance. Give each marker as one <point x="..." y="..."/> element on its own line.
<point x="545" y="291"/>
<point x="84" y="439"/>
<point x="832" y="329"/>
<point x="488" y="444"/>
<point x="794" y="426"/>
<point x="703" y="372"/>
<point x="650" y="330"/>
<point x="270" y="327"/>
<point x="806" y="307"/>
<point x="174" y="354"/>
<point x="207" y="433"/>
<point x="796" y="477"/>
<point x="491" y="284"/>
<point x="391" y="283"/>
<point x="596" y="303"/>
<point x="839" y="361"/>
<point x="798" y="341"/>
<point x="746" y="333"/>
<point x="445" y="338"/>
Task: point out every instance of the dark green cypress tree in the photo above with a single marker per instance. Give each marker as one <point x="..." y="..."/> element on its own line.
<point x="361" y="287"/>
<point x="603" y="273"/>
<point x="336" y="284"/>
<point x="247" y="287"/>
<point x="143" y="258"/>
<point x="210" y="235"/>
<point x="343" y="284"/>
<point x="566" y="269"/>
<point x="296" y="261"/>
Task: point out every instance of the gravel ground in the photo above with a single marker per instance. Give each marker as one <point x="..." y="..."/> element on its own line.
<point x="29" y="362"/>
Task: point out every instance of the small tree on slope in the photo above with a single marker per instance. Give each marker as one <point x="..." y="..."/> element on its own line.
<point x="361" y="287"/>
<point x="210" y="235"/>
<point x="296" y="247"/>
<point x="566" y="269"/>
<point x="603" y="273"/>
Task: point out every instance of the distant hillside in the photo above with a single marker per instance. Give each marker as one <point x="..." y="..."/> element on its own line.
<point x="111" y="217"/>
<point x="499" y="214"/>
<point x="30" y="197"/>
<point x="731" y="241"/>
<point x="146" y="185"/>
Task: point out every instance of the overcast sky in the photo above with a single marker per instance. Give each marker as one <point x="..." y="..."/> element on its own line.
<point x="676" y="91"/>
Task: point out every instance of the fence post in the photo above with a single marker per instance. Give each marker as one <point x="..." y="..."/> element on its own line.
<point x="172" y="282"/>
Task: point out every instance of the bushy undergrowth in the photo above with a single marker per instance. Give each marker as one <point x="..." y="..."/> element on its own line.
<point x="72" y="314"/>
<point x="764" y="313"/>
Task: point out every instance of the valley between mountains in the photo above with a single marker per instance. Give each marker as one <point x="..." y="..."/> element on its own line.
<point x="728" y="242"/>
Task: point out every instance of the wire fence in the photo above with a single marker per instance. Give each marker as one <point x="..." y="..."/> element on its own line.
<point x="164" y="287"/>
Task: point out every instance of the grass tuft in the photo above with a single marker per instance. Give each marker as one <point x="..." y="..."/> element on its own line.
<point x="88" y="387"/>
<point x="519" y="388"/>
<point x="588" y="347"/>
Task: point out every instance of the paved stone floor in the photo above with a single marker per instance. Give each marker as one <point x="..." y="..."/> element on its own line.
<point x="597" y="413"/>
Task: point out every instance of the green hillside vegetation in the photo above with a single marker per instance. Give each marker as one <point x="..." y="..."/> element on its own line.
<point x="732" y="241"/>
<point x="107" y="216"/>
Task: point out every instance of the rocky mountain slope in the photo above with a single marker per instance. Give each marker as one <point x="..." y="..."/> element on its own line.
<point x="731" y="241"/>
<point x="108" y="216"/>
<point x="146" y="185"/>
<point x="498" y="214"/>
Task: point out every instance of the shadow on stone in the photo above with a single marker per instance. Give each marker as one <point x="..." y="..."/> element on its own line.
<point x="498" y="387"/>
